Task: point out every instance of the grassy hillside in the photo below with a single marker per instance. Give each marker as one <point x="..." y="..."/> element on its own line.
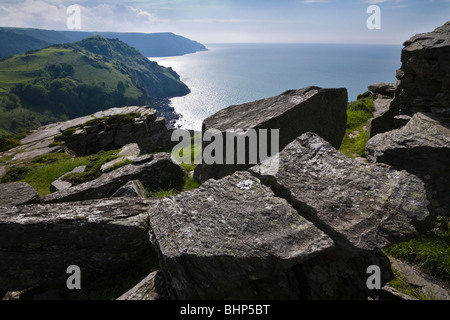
<point x="66" y="81"/>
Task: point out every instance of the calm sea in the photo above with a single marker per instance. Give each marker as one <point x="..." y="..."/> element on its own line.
<point x="229" y="74"/>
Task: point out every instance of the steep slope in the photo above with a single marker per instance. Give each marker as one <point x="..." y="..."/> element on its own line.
<point x="72" y="80"/>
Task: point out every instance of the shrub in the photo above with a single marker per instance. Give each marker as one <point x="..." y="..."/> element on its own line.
<point x="15" y="174"/>
<point x="8" y="143"/>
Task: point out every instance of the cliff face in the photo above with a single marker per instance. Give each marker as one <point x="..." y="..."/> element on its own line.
<point x="424" y="77"/>
<point x="423" y="80"/>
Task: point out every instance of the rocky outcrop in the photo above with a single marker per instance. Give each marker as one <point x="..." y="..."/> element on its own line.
<point x="424" y="77"/>
<point x="147" y="130"/>
<point x="16" y="193"/>
<point x="144" y="128"/>
<point x="232" y="238"/>
<point x="294" y="112"/>
<point x="362" y="207"/>
<point x="422" y="148"/>
<point x="424" y="80"/>
<point x="157" y="172"/>
<point x="107" y="239"/>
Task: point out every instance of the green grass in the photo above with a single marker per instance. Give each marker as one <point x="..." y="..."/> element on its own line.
<point x="430" y="252"/>
<point x="403" y="286"/>
<point x="161" y="193"/>
<point x="119" y="164"/>
<point x="93" y="166"/>
<point x="43" y="170"/>
<point x="73" y="80"/>
<point x="358" y="113"/>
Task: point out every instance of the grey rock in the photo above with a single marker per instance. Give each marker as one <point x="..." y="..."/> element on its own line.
<point x="418" y="279"/>
<point x="390" y="293"/>
<point x="60" y="184"/>
<point x="129" y="152"/>
<point x="423" y="80"/>
<point x="361" y="206"/>
<point x="147" y="132"/>
<point x="17" y="193"/>
<point x="133" y="189"/>
<point x="337" y="276"/>
<point x="422" y="147"/>
<point x="142" y="159"/>
<point x="160" y="173"/>
<point x="383" y="88"/>
<point x="381" y="106"/>
<point x="107" y="239"/>
<point x="294" y="112"/>
<point x="131" y="149"/>
<point x="230" y="237"/>
<point x="151" y="287"/>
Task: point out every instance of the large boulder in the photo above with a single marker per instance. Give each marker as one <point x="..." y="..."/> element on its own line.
<point x="362" y="206"/>
<point x="424" y="76"/>
<point x="158" y="171"/>
<point x="422" y="148"/>
<point x="232" y="238"/>
<point x="107" y="239"/>
<point x="294" y="112"/>
<point x="423" y="80"/>
<point x="16" y="193"/>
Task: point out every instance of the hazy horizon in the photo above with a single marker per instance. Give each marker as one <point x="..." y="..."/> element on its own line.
<point x="238" y="21"/>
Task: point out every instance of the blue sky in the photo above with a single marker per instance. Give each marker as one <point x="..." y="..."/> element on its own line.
<point x="220" y="21"/>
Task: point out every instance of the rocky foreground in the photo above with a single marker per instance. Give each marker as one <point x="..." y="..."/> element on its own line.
<point x="309" y="229"/>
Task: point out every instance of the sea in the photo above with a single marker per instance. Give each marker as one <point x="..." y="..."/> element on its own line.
<point x="232" y="74"/>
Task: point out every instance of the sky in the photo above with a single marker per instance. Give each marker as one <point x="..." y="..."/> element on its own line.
<point x="238" y="21"/>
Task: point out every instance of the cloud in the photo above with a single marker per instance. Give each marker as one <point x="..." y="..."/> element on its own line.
<point x="52" y="14"/>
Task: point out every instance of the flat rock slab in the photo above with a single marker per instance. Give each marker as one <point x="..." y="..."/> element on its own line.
<point x="226" y="233"/>
<point x="106" y="238"/>
<point x="383" y="88"/>
<point x="158" y="172"/>
<point x="294" y="112"/>
<point x="361" y="206"/>
<point x="422" y="147"/>
<point x="16" y="193"/>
